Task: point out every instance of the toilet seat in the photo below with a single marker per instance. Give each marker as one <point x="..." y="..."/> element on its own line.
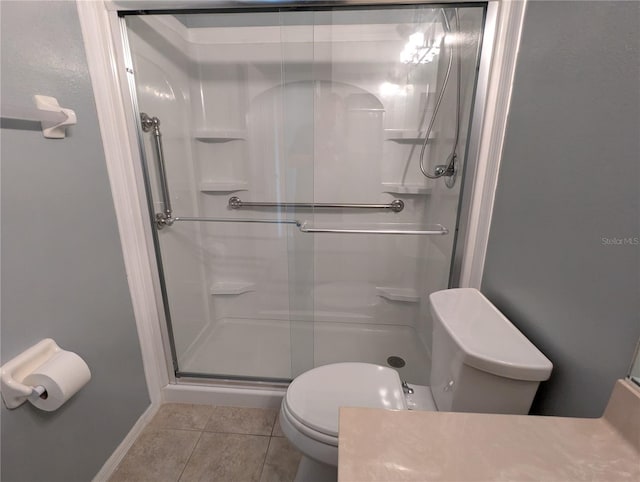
<point x="314" y="398"/>
<point x="326" y="453"/>
<point x="303" y="429"/>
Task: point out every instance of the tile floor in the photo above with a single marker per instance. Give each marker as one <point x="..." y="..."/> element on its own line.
<point x="186" y="443"/>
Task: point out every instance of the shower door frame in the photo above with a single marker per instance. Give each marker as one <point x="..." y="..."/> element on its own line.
<point x="102" y="30"/>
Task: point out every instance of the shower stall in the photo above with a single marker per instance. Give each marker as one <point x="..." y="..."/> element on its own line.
<point x="307" y="167"/>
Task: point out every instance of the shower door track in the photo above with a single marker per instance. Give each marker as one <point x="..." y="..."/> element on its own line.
<point x="483" y="62"/>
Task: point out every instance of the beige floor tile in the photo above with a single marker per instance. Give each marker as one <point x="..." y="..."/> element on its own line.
<point x="182" y="416"/>
<point x="254" y="421"/>
<point x="282" y="461"/>
<point x="226" y="457"/>
<point x="277" y="429"/>
<point x="157" y="455"/>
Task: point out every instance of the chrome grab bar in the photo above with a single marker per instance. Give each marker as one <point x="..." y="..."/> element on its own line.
<point x="304" y="227"/>
<point x="235" y="202"/>
<point x="153" y="124"/>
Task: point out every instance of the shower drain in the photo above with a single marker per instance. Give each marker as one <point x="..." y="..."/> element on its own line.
<point x="396" y="362"/>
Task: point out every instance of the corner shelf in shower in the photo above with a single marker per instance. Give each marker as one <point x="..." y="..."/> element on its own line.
<point x="406" y="136"/>
<point x="407" y="295"/>
<point x="399" y="188"/>
<point x="231" y="287"/>
<point x="220" y="135"/>
<point x="223" y="186"/>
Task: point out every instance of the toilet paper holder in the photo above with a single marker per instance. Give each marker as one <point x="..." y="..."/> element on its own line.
<point x="12" y="373"/>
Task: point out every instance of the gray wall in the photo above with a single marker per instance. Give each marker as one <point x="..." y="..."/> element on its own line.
<point x="570" y="176"/>
<point x="62" y="267"/>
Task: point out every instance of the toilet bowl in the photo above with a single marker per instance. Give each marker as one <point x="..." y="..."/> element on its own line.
<point x="480" y="363"/>
<point x="309" y="411"/>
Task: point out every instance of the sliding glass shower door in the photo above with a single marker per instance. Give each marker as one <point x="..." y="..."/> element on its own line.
<point x="304" y="171"/>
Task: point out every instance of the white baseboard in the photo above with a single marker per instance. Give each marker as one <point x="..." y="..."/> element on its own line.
<point x="116" y="457"/>
<point x="226" y="396"/>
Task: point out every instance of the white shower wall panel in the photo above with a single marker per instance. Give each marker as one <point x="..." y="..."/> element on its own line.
<point x="222" y="102"/>
<point x="163" y="91"/>
<point x="347" y="164"/>
<point x="251" y="254"/>
<point x="245" y="253"/>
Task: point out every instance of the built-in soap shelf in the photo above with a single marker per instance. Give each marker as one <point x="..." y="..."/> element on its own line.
<point x="231" y="287"/>
<point x="407" y="295"/>
<point x="223" y="186"/>
<point x="406" y="136"/>
<point x="403" y="188"/>
<point x="220" y="135"/>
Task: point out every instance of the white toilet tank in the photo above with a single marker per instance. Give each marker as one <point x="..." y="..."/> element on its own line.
<point x="480" y="361"/>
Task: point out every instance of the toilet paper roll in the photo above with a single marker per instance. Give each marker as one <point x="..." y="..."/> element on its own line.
<point x="62" y="376"/>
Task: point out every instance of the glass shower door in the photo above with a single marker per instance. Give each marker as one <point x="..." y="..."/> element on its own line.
<point x="298" y="138"/>
<point x="314" y="160"/>
<point x="236" y="128"/>
<point x="394" y="93"/>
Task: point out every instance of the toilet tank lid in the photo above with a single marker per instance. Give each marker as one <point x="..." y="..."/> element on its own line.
<point x="488" y="340"/>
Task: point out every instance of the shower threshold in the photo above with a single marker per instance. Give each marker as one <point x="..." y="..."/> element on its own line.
<point x="262" y="349"/>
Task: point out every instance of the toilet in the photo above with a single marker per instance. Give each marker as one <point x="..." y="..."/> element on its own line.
<point x="480" y="363"/>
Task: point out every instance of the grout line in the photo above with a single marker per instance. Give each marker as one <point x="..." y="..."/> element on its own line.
<point x="238" y="433"/>
<point x="156" y="429"/>
<point x="275" y="420"/>
<point x="190" y="455"/>
<point x="264" y="461"/>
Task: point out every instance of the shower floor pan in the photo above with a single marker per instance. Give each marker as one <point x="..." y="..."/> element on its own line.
<point x="264" y="348"/>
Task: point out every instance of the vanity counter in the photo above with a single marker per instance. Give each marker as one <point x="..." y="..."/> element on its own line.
<point x="384" y="445"/>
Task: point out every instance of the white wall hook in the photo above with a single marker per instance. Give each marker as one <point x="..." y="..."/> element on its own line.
<point x="54" y="129"/>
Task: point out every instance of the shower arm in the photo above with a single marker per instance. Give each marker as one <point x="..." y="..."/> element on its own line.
<point x="152" y="124"/>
